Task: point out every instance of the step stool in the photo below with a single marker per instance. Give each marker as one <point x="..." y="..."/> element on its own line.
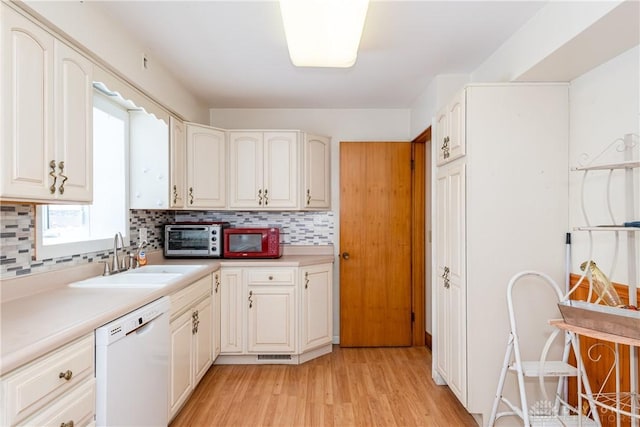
<point x="546" y="413"/>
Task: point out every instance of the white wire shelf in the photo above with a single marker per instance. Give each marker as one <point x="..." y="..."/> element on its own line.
<point x="606" y="228"/>
<point x="622" y="403"/>
<point x="632" y="164"/>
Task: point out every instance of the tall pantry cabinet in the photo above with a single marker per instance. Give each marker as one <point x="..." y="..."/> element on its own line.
<point x="500" y="207"/>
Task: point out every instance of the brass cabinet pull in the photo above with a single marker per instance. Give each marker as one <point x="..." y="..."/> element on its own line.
<point x="66" y="375"/>
<point x="190" y="195"/>
<point x="52" y="173"/>
<point x="67" y="424"/>
<point x="217" y="283"/>
<point x="195" y="322"/>
<point x="260" y="197"/>
<point x="250" y="299"/>
<point x="266" y="197"/>
<point x="306" y="279"/>
<point x="63" y="176"/>
<point x="308" y="197"/>
<point x="445" y="276"/>
<point x="445" y="147"/>
<point x="175" y="194"/>
<point x="345" y="255"/>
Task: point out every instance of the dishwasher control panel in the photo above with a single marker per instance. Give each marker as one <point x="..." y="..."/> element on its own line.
<point x="128" y="323"/>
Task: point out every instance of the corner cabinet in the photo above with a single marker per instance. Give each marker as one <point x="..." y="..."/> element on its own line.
<point x="46" y="101"/>
<point x="192" y="340"/>
<point x="206" y="167"/>
<point x="275" y="314"/>
<point x="263" y="170"/>
<point x="500" y="208"/>
<point x="317" y="172"/>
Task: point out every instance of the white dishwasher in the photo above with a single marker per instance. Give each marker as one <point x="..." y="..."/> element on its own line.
<point x="132" y="368"/>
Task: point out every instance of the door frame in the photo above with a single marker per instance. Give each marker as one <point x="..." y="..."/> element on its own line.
<point x="420" y="253"/>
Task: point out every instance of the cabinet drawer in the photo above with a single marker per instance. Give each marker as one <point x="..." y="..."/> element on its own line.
<point x="188" y="296"/>
<point x="41" y="381"/>
<point x="284" y="276"/>
<point x="77" y="406"/>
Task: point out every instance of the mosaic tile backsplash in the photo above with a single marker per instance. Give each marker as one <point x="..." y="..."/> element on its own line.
<point x="17" y="233"/>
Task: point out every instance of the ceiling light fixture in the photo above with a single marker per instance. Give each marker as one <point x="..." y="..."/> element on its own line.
<point x="323" y="33"/>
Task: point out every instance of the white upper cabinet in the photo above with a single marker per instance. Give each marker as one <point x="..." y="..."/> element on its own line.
<point x="177" y="163"/>
<point x="148" y="162"/>
<point x="46" y="100"/>
<point x="450" y="130"/>
<point x="317" y="172"/>
<point x="206" y="167"/>
<point x="263" y="170"/>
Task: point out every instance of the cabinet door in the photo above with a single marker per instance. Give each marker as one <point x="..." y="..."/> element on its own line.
<point x="177" y="162"/>
<point x="203" y="338"/>
<point x="180" y="381"/>
<point x="206" y="167"/>
<point x="450" y="130"/>
<point x="73" y="94"/>
<point x="280" y="183"/>
<point x="231" y="311"/>
<point x="27" y="110"/>
<point x="216" y="314"/>
<point x="441" y="141"/>
<point x="271" y="319"/>
<point x="245" y="170"/>
<point x="456" y="111"/>
<point x="450" y="291"/>
<point x="317" y="172"/>
<point x="316" y="314"/>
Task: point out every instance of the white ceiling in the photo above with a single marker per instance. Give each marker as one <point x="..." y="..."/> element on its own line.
<point x="233" y="54"/>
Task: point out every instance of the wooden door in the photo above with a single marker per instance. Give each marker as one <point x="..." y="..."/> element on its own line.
<point x="375" y="244"/>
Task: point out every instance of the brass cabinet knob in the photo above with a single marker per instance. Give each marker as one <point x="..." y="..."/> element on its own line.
<point x="66" y="375"/>
<point x="345" y="255"/>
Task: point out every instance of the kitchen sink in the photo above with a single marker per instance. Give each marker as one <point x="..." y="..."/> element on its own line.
<point x="127" y="280"/>
<point x="163" y="269"/>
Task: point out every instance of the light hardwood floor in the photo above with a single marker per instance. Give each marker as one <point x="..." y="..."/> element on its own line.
<point x="349" y="387"/>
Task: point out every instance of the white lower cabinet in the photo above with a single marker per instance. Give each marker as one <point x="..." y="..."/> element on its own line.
<point x="56" y="389"/>
<point x="231" y="313"/>
<point x="316" y="314"/>
<point x="192" y="340"/>
<point x="271" y="319"/>
<point x="265" y="320"/>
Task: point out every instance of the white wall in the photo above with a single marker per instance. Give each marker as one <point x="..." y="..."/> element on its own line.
<point x="604" y="106"/>
<point x="551" y="28"/>
<point x="84" y="23"/>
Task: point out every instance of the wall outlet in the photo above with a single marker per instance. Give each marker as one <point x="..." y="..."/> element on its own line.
<point x="142" y="234"/>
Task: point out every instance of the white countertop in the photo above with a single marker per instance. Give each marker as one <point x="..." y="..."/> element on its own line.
<point x="45" y="313"/>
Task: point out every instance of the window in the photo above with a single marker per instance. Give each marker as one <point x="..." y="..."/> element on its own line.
<point x="74" y="229"/>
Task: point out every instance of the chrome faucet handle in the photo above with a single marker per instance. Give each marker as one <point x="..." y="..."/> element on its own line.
<point x="106" y="271"/>
<point x="123" y="262"/>
<point x="133" y="262"/>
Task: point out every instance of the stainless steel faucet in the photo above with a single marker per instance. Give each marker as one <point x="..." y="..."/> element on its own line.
<point x="115" y="265"/>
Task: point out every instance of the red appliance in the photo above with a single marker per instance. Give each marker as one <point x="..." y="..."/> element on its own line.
<point x="252" y="243"/>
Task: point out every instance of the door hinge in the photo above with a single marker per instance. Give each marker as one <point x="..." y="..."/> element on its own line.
<point x="413" y="164"/>
<point x="413" y="316"/>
